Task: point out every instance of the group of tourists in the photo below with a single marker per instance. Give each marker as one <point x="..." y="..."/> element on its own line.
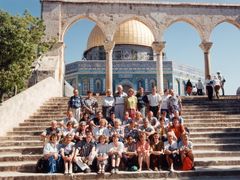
<point x="131" y="132"/>
<point x="213" y="86"/>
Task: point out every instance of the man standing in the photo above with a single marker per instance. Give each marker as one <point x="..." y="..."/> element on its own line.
<point x="222" y="82"/>
<point x="200" y="87"/>
<point x="75" y="104"/>
<point x="142" y="100"/>
<point x="155" y="102"/>
<point x="119" y="102"/>
<point x="90" y="104"/>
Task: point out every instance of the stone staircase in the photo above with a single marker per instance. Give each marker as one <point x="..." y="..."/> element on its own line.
<point x="214" y="130"/>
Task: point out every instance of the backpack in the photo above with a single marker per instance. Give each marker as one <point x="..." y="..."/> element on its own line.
<point x="41" y="166"/>
<point x="187" y="164"/>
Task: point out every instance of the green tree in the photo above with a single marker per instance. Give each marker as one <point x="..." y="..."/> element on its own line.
<point x="21" y="42"/>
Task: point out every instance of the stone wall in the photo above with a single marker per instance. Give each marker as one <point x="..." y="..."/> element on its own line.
<point x="21" y="106"/>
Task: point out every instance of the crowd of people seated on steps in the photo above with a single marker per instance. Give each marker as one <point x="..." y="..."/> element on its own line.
<point x="131" y="133"/>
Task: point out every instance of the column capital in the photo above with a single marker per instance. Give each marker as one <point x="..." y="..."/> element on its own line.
<point x="158" y="46"/>
<point x="109" y="45"/>
<point x="206" y="46"/>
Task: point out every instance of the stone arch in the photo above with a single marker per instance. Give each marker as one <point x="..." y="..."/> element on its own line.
<point x="189" y="21"/>
<point x="70" y="21"/>
<point x="146" y="21"/>
<point x="230" y="21"/>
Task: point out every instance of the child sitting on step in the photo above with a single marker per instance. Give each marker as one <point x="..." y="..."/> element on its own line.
<point x="67" y="152"/>
<point x="102" y="154"/>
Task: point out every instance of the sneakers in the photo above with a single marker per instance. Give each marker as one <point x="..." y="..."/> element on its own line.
<point x="113" y="170"/>
<point x="155" y="169"/>
<point x="87" y="170"/>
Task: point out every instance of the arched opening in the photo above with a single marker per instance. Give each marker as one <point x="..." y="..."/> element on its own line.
<point x="76" y="45"/>
<point x="75" y="39"/>
<point x="182" y="48"/>
<point x="225" y="55"/>
<point x="98" y="86"/>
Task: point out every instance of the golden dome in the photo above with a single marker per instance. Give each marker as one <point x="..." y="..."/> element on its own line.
<point x="129" y="32"/>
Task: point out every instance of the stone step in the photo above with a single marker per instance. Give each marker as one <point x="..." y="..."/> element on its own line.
<point x="47" y="116"/>
<point x="208" y="120"/>
<point x="19" y="157"/>
<point x="31" y="128"/>
<point x="225" y="140"/>
<point x="22" y="149"/>
<point x="211" y="124"/>
<point x="213" y="129"/>
<point x="217" y="161"/>
<point x="7" y="143"/>
<point x="199" y="112"/>
<point x="20" y="166"/>
<point x="212" y="116"/>
<point x="201" y="173"/>
<point x="29" y="133"/>
<point x="214" y="134"/>
<point x="50" y="109"/>
<point x="35" y="124"/>
<point x="43" y="120"/>
<point x="217" y="147"/>
<point x="209" y="153"/>
<point x="20" y="138"/>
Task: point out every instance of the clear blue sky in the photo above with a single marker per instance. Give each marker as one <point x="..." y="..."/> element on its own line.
<point x="182" y="41"/>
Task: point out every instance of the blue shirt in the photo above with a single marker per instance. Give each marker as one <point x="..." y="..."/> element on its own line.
<point x="75" y="102"/>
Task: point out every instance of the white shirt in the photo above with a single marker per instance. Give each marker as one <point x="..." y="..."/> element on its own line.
<point x="165" y="101"/>
<point x="108" y="101"/>
<point x="50" y="148"/>
<point x="119" y="147"/>
<point x="119" y="99"/>
<point x="154" y="100"/>
<point x="97" y="131"/>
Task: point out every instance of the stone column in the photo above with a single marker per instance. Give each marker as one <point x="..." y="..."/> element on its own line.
<point x="206" y="46"/>
<point x="158" y="50"/>
<point x="108" y="46"/>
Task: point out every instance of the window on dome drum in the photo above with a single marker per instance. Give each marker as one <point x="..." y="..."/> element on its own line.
<point x="140" y="84"/>
<point x="152" y="83"/>
<point x="86" y="86"/>
<point x="118" y="55"/>
<point x="98" y="87"/>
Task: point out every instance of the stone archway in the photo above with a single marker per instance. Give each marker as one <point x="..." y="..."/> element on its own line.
<point x="59" y="15"/>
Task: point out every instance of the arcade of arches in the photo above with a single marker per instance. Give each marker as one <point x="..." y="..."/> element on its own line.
<point x="158" y="16"/>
